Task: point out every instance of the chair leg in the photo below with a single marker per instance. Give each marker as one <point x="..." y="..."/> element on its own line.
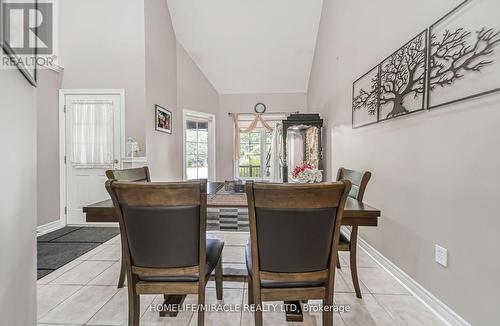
<point x="353" y="258"/>
<point x="201" y="305"/>
<point x="338" y="261"/>
<point x="328" y="313"/>
<point x="250" y="290"/>
<point x="258" y="305"/>
<point x="258" y="314"/>
<point x="133" y="303"/>
<point x="218" y="279"/>
<point x="121" y="280"/>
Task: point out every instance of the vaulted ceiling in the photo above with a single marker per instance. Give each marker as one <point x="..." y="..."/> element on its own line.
<point x="249" y="46"/>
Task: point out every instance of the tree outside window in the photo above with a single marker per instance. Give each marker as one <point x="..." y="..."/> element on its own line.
<point x="255" y="154"/>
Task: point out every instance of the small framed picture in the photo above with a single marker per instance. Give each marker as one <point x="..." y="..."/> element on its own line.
<point x="163" y="119"/>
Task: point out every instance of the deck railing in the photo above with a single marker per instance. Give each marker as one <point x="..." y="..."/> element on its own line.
<point x="249" y="171"/>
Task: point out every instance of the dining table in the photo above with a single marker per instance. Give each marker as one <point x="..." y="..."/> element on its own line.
<point x="356" y="213"/>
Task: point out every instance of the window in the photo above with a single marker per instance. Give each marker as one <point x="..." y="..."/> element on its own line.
<point x="92" y="133"/>
<point x="196" y="149"/>
<point x="199" y="145"/>
<point x="255" y="154"/>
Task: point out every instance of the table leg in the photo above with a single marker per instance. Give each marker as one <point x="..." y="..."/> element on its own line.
<point x="294" y="311"/>
<point x="171" y="305"/>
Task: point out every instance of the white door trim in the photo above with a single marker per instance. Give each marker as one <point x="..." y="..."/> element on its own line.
<point x="62" y="137"/>
<point x="212" y="136"/>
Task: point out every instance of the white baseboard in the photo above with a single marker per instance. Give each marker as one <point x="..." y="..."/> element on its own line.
<point x="49" y="227"/>
<point x="441" y="310"/>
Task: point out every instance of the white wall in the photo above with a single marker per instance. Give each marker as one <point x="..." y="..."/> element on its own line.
<point x="434" y="173"/>
<point x="17" y="200"/>
<point x="244" y="103"/>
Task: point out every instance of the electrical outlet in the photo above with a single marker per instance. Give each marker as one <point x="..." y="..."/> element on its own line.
<point x="441" y="255"/>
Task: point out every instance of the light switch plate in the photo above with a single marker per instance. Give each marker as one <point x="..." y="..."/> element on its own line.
<point x="441" y="256"/>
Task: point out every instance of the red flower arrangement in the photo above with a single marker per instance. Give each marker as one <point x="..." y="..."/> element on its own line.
<point x="301" y="168"/>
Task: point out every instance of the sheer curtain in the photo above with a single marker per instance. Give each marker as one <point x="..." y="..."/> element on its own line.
<point x="312" y="146"/>
<point x="92" y="133"/>
<point x="237" y="130"/>
<point x="276" y="154"/>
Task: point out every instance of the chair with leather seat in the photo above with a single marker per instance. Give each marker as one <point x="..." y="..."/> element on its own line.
<point x="133" y="175"/>
<point x="294" y="236"/>
<point x="163" y="227"/>
<point x="359" y="182"/>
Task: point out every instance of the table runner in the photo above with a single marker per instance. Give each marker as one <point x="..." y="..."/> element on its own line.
<point x="225" y="198"/>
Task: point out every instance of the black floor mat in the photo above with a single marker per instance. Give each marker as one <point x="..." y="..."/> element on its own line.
<point x="57" y="248"/>
<point x="42" y="272"/>
<point x="57" y="233"/>
<point x="53" y="255"/>
<point x="89" y="234"/>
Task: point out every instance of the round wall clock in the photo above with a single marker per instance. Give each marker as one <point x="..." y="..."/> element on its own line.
<point x="260" y="108"/>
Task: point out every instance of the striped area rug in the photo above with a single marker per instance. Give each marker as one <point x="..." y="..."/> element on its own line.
<point x="227" y="219"/>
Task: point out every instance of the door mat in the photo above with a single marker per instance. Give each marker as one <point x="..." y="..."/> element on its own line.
<point x="57" y="248"/>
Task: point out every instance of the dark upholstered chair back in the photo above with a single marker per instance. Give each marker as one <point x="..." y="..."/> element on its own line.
<point x="133" y="175"/>
<point x="358" y="179"/>
<point x="161" y="221"/>
<point x="295" y="224"/>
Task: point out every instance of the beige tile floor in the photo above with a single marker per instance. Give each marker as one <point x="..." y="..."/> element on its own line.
<point x="84" y="292"/>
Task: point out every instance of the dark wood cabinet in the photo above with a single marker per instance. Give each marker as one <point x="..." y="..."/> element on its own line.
<point x="299" y="124"/>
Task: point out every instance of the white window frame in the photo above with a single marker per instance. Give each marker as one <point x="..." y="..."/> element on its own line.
<point x="188" y="115"/>
<point x="262" y="158"/>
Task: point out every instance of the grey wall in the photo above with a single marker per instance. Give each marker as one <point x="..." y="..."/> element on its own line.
<point x="136" y="50"/>
<point x="48" y="146"/>
<point x="194" y="90"/>
<point x="17" y="200"/>
<point x="164" y="150"/>
<point x="120" y="51"/>
<point x="102" y="46"/>
<point x="434" y="174"/>
<point x="107" y="53"/>
<point x="244" y="103"/>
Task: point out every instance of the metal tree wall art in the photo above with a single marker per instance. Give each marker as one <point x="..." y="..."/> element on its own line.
<point x="396" y="86"/>
<point x="402" y="79"/>
<point x="460" y="60"/>
<point x="365" y="104"/>
<point x="452" y="57"/>
<point x="464" y="60"/>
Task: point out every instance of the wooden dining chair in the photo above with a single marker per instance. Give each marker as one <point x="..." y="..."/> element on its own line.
<point x="163" y="228"/>
<point x="294" y="237"/>
<point x="132" y="175"/>
<point x="359" y="182"/>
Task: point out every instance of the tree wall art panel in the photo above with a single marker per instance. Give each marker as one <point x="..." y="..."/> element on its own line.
<point x="402" y="79"/>
<point x="365" y="99"/>
<point x="464" y="56"/>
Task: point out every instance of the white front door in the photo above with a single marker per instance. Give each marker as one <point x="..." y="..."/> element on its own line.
<point x="93" y="145"/>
